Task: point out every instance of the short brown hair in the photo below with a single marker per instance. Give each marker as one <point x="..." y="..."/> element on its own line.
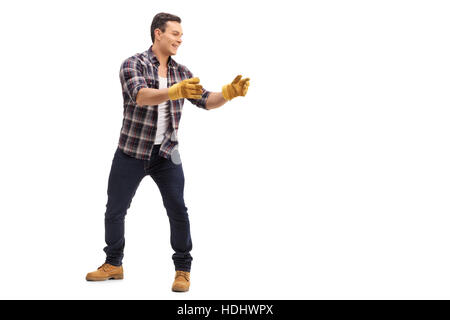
<point x="159" y="22"/>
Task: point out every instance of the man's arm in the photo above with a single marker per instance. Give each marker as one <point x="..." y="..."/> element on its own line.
<point x="237" y="88"/>
<point x="150" y="96"/>
<point x="132" y="78"/>
<point x="215" y="100"/>
<point x="187" y="88"/>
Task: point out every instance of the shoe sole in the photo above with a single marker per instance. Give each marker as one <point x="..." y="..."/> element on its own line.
<point x="175" y="289"/>
<point x="116" y="277"/>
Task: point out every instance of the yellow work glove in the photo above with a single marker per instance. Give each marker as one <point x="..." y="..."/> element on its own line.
<point x="236" y="88"/>
<point x="188" y="88"/>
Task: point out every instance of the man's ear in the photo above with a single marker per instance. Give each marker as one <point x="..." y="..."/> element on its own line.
<point x="157" y="32"/>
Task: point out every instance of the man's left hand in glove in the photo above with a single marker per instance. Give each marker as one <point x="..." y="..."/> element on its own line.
<point x="236" y="88"/>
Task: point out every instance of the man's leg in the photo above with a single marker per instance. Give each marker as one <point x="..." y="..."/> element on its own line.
<point x="124" y="179"/>
<point x="170" y="180"/>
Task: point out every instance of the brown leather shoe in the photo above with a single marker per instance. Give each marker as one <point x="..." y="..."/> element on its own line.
<point x="181" y="282"/>
<point x="105" y="272"/>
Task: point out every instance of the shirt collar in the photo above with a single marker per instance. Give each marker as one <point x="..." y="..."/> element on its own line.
<point x="170" y="62"/>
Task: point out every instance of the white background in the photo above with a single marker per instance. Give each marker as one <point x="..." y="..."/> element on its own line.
<point x="329" y="180"/>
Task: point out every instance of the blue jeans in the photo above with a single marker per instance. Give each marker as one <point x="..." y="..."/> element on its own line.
<point x="124" y="178"/>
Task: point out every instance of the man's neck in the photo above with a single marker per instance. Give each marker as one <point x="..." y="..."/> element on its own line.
<point x="163" y="59"/>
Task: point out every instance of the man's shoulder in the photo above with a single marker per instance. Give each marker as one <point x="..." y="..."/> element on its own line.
<point x="139" y="58"/>
<point x="142" y="58"/>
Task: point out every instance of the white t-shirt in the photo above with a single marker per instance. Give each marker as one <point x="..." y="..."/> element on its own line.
<point x="163" y="114"/>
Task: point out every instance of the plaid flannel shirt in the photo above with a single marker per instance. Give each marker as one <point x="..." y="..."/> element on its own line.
<point x="138" y="131"/>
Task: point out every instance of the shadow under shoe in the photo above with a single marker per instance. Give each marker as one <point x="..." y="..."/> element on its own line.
<point x="105" y="272"/>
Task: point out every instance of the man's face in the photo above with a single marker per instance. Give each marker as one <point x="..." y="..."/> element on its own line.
<point x="171" y="39"/>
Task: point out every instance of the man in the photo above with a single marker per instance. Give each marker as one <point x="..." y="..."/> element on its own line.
<point x="154" y="87"/>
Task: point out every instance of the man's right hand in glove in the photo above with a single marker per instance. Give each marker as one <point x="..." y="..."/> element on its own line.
<point x="188" y="88"/>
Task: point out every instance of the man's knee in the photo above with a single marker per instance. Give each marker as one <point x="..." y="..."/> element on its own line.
<point x="115" y="214"/>
<point x="177" y="209"/>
